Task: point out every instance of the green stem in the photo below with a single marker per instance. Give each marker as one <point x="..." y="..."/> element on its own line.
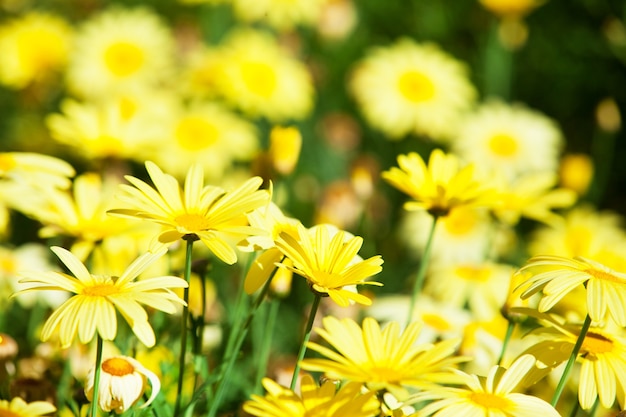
<point x="307" y="336"/>
<point x="183" y="329"/>
<point x="421" y="272"/>
<point x="266" y="344"/>
<point x="498" y="65"/>
<point x="96" y="379"/>
<point x="507" y="338"/>
<point x="568" y="367"/>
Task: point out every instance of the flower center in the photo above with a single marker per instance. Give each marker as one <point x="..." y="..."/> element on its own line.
<point x="472" y="273"/>
<point x="595" y="343"/>
<point x="605" y="276"/>
<point x="193" y="133"/>
<point x="259" y="78"/>
<point x="416" y="87"/>
<point x="192" y="222"/>
<point x="7" y="163"/>
<point x="489" y="400"/>
<point x="117" y="367"/>
<point x="384" y="373"/>
<point x="106" y="145"/>
<point x="127" y="108"/>
<point x="123" y="58"/>
<point x="502" y="144"/>
<point x="7" y="413"/>
<point x="460" y="221"/>
<point x="100" y="290"/>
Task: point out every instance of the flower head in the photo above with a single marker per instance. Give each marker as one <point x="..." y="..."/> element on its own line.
<point x="382" y="358"/>
<point x="326" y="401"/>
<point x="208" y="213"/>
<point x="17" y="407"/>
<point x="487" y="397"/>
<point x="281" y="15"/>
<point x="330" y="263"/>
<point x="122" y="383"/>
<point x="97" y="298"/>
<point x="439" y="186"/>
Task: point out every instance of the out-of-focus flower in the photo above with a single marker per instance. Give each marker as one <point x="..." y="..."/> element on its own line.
<point x="123" y="380"/>
<point x="279" y="14"/>
<point x="329" y="262"/>
<point x="327" y="400"/>
<point x="20" y="408"/>
<point x="511" y="8"/>
<point x="338" y="19"/>
<point x="509" y="139"/>
<point x="339" y="205"/>
<point x="35" y="170"/>
<point x="119" y="50"/>
<point x="438" y="187"/>
<point x="608" y="116"/>
<point x="382" y="359"/>
<point x="412" y="88"/>
<point x="486" y="397"/>
<point x="261" y="79"/>
<point x="208" y="213"/>
<point x="483" y="341"/>
<point x="576" y="172"/>
<point x="284" y="151"/>
<point x="8" y="349"/>
<point x="98" y="297"/>
<point x="556" y="276"/>
<point x="32" y="48"/>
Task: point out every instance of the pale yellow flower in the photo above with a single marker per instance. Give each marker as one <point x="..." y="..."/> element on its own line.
<point x="285" y="146"/>
<point x="279" y="14"/>
<point x="17" y="407"/>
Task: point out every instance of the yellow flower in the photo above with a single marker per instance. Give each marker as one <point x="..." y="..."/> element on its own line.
<point x="330" y="263"/>
<point x="412" y="88"/>
<point x="509" y="139"/>
<point x="261" y="79"/>
<point x="439" y="186"/>
<point x="285" y="145"/>
<point x="120" y="49"/>
<point x="511" y="8"/>
<point x="493" y="396"/>
<point x="208" y="213"/>
<point x="32" y="48"/>
<point x="122" y="383"/>
<point x="557" y="276"/>
<point x="279" y="14"/>
<point x="576" y="172"/>
<point x="382" y="359"/>
<point x="35" y="170"/>
<point x="19" y="408"/>
<point x="97" y="298"/>
<point x="327" y="401"/>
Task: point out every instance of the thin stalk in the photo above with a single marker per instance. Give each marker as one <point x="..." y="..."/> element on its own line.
<point x="266" y="345"/>
<point x="96" y="379"/>
<point x="568" y="367"/>
<point x="184" y="325"/>
<point x="507" y="338"/>
<point x="421" y="272"/>
<point x="307" y="336"/>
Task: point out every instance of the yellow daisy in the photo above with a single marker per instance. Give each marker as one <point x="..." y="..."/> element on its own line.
<point x="330" y="263"/>
<point x="32" y="48"/>
<point x="439" y="186"/>
<point x="327" y="400"/>
<point x="17" y="407"/>
<point x="208" y="213"/>
<point x="35" y="170"/>
<point x="556" y="276"/>
<point x="279" y="14"/>
<point x="261" y="79"/>
<point x="97" y="298"/>
<point x="123" y="380"/>
<point x="510" y="139"/>
<point x="382" y="359"/>
<point x="412" y="88"/>
<point x="120" y="49"/>
<point x="493" y="396"/>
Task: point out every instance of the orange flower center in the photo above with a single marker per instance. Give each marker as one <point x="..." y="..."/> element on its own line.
<point x="117" y="367"/>
<point x="416" y="87"/>
<point x="100" y="290"/>
<point x="605" y="276"/>
<point x="595" y="343"/>
<point x="502" y="144"/>
<point x="193" y="222"/>
<point x="489" y="400"/>
<point x="123" y="58"/>
<point x="194" y="133"/>
<point x="8" y="413"/>
<point x="259" y="78"/>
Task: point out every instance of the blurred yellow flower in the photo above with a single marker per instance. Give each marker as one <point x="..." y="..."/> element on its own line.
<point x="382" y="359"/>
<point x="330" y="263"/>
<point x="509" y="139"/>
<point x="207" y="213"/>
<point x="493" y="396"/>
<point x="511" y="8"/>
<point x="261" y="79"/>
<point x="35" y="170"/>
<point x="17" y="407"/>
<point x="120" y="49"/>
<point x="576" y="172"/>
<point x="123" y="380"/>
<point x="438" y="187"/>
<point x="279" y="14"/>
<point x="412" y="88"/>
<point x="32" y="48"/>
<point x="327" y="400"/>
<point x="556" y="276"/>
<point x="98" y="298"/>
<point x="285" y="145"/>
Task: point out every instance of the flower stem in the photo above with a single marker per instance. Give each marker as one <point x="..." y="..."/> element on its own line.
<point x="507" y="338"/>
<point x="183" y="329"/>
<point x="421" y="272"/>
<point x="570" y="362"/>
<point x="96" y="379"/>
<point x="266" y="343"/>
<point x="307" y="336"/>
